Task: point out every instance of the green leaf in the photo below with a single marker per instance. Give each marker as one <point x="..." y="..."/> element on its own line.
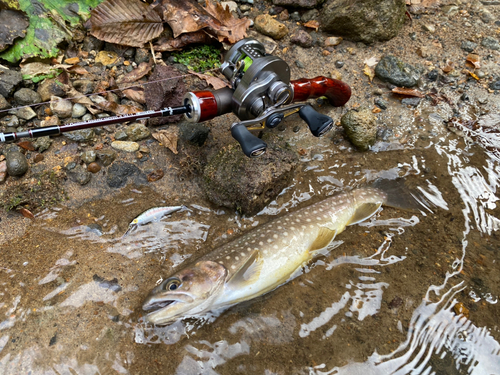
<point x="49" y="22"/>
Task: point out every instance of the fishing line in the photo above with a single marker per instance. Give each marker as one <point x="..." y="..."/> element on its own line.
<point x="106" y="91"/>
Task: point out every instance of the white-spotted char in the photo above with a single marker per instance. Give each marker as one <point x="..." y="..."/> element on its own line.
<point x="261" y="259"/>
<point x="153" y="214"/>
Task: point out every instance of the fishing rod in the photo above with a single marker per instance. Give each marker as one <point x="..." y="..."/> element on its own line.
<point x="261" y="95"/>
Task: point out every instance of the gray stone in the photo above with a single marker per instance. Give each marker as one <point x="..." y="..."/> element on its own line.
<point x="486" y="16"/>
<point x="43" y="143"/>
<point x="83" y="135"/>
<point x="50" y="87"/>
<point x="120" y="135"/>
<point x="193" y="133"/>
<point x="4" y="104"/>
<point x="106" y="157"/>
<point x="125" y="146"/>
<point x="119" y="173"/>
<point x="233" y="180"/>
<point x="381" y="103"/>
<point x="91" y="43"/>
<point x="78" y="110"/>
<point x="26" y="113"/>
<point x="61" y="107"/>
<point x="87" y="117"/>
<point x="80" y="175"/>
<point x="9" y="79"/>
<point x="413" y="101"/>
<point x="495" y="85"/>
<point x="141" y="55"/>
<point x="450" y="10"/>
<point x="299" y="3"/>
<point x="137" y="131"/>
<point x="360" y="126"/>
<point x="88" y="156"/>
<point x="17" y="165"/>
<point x="26" y="96"/>
<point x="302" y="39"/>
<point x="85" y="86"/>
<point x="491" y="43"/>
<point x="397" y="72"/>
<point x="267" y="25"/>
<point x="468" y="46"/>
<point x="11" y="121"/>
<point x="364" y="20"/>
<point x="312" y="14"/>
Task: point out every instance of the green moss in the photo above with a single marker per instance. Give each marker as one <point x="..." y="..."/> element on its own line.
<point x="199" y="58"/>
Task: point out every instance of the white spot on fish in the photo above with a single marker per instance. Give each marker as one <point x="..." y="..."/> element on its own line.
<point x="285" y="234"/>
<point x="308" y="220"/>
<point x="292" y="228"/>
<point x="228" y="257"/>
<point x="275" y="236"/>
<point x="269" y="240"/>
<point x="237" y="258"/>
<point x="275" y="247"/>
<point x="280" y="228"/>
<point x="261" y="243"/>
<point x="233" y="267"/>
<point x="249" y="249"/>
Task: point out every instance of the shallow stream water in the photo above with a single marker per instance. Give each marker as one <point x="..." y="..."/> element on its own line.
<point x="403" y="293"/>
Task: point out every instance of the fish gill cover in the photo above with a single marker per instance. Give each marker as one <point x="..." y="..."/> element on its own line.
<point x="50" y="23"/>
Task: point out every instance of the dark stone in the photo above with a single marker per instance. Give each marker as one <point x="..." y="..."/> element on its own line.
<point x="85" y="86"/>
<point x="4" y="104"/>
<point x="302" y="39"/>
<point x="299" y="64"/>
<point x="413" y="102"/>
<point x="339" y="64"/>
<point x="395" y="303"/>
<point x="233" y="180"/>
<point x="83" y="135"/>
<point x="433" y="75"/>
<point x="193" y="133"/>
<point x="91" y="43"/>
<point x="26" y="96"/>
<point x="381" y="103"/>
<point x="468" y="46"/>
<point x="49" y="88"/>
<point x="364" y="20"/>
<point x="299" y="3"/>
<point x="397" y="72"/>
<point x="80" y="175"/>
<point x="106" y="157"/>
<point x="9" y="79"/>
<point x="495" y="85"/>
<point x="142" y="55"/>
<point x="488" y="42"/>
<point x="43" y="143"/>
<point x="119" y="173"/>
<point x="310" y="15"/>
<point x="17" y="165"/>
<point x="53" y="340"/>
<point x="122" y="51"/>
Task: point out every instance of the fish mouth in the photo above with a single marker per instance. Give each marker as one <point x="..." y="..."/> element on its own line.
<point x="162" y="301"/>
<point x="157" y="305"/>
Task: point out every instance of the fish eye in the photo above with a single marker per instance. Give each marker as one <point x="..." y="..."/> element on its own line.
<point x="172" y="284"/>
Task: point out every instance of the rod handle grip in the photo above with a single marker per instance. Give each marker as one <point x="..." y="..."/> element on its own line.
<point x="251" y="145"/>
<point x="337" y="92"/>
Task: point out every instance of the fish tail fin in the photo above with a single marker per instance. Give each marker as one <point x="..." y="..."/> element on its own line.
<point x="400" y="195"/>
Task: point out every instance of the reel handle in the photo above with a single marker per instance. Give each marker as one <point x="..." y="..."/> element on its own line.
<point x="318" y="123"/>
<point x="337" y="92"/>
<point x="251" y="145"/>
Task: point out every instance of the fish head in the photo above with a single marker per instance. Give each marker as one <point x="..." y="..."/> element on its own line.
<point x="185" y="293"/>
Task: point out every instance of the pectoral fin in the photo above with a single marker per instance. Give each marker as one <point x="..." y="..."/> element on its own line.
<point x="325" y="237"/>
<point x="363" y="212"/>
<point x="248" y="273"/>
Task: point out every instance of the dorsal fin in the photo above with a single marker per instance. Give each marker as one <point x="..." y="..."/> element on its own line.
<point x="248" y="272"/>
<point x="325" y="237"/>
<point x="363" y="212"/>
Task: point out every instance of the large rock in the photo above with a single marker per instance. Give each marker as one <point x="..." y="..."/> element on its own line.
<point x="9" y="79"/>
<point x="299" y="3"/>
<point x="364" y="20"/>
<point x="393" y="70"/>
<point x="233" y="180"/>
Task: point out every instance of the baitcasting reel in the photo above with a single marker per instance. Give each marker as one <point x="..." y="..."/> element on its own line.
<point x="261" y="93"/>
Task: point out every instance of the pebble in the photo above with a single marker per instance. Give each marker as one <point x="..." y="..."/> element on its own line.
<point x="49" y="88"/>
<point x="299" y="64"/>
<point x="3" y="171"/>
<point x="339" y="64"/>
<point x="26" y="113"/>
<point x="10" y="121"/>
<point x="192" y="133"/>
<point x="78" y="110"/>
<point x="491" y="43"/>
<point x="43" y="143"/>
<point x="125" y="146"/>
<point x="360" y="126"/>
<point x="93" y="167"/>
<point x="430" y="28"/>
<point x="61" y="107"/>
<point x="9" y="79"/>
<point x="106" y="157"/>
<point x="79" y="175"/>
<point x="4" y="104"/>
<point x="17" y="164"/>
<point x="85" y="86"/>
<point x="413" y="102"/>
<point x="394" y="70"/>
<point x="88" y="156"/>
<point x="38" y="158"/>
<point x="137" y="131"/>
<point x="382" y="104"/>
<point x="333" y="41"/>
<point x="302" y="39"/>
<point x="495" y="85"/>
<point x="267" y="25"/>
<point x="27" y="96"/>
<point x="433" y="75"/>
<point x="83" y="135"/>
<point x="468" y="46"/>
<point x="87" y="117"/>
<point x="120" y="135"/>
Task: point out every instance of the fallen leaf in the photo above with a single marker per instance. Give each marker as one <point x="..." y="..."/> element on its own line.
<point x="312" y="24"/>
<point x="127" y="22"/>
<point x="449" y="67"/>
<point x="376" y="110"/>
<point x="471" y="74"/>
<point x="13" y="25"/>
<point x="78" y="70"/>
<point x="407" y="92"/>
<point x="136" y="74"/>
<point x="26" y="213"/>
<point x="372" y="61"/>
<point x="215" y="82"/>
<point x="369" y="71"/>
<point x="27" y="145"/>
<point x="474" y="60"/>
<point x="168" y="138"/>
<point x="185" y="16"/>
<point x="135" y="94"/>
<point x="165" y="44"/>
<point x="77" y="97"/>
<point x="110" y="106"/>
<point x="72" y="60"/>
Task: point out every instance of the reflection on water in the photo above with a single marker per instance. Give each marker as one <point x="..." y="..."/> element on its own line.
<point x="382" y="301"/>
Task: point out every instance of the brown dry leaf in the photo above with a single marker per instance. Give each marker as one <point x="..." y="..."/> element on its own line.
<point x="369" y="71"/>
<point x="185" y="16"/>
<point x="136" y="74"/>
<point x="407" y="92"/>
<point x="449" y="67"/>
<point x="472" y="74"/>
<point x="27" y="145"/>
<point x="167" y="44"/>
<point x="77" y="97"/>
<point x="77" y="69"/>
<point x="126" y="22"/>
<point x="26" y="213"/>
<point x="117" y="109"/>
<point x="474" y="60"/>
<point x="72" y="60"/>
<point x="376" y="110"/>
<point x="215" y="82"/>
<point x="312" y="24"/>
<point x="168" y="138"/>
<point x="135" y="94"/>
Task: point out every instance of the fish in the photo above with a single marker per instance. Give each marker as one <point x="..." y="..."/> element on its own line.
<point x="265" y="257"/>
<point x="153" y="214"/>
